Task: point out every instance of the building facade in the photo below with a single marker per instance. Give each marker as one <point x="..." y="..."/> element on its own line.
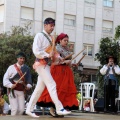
<point x="85" y="21"/>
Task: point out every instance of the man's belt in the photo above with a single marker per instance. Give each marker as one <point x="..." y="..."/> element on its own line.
<point x="44" y="61"/>
<point x="20" y="87"/>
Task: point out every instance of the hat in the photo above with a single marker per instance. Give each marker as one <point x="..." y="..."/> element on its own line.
<point x="114" y="58"/>
<point x="21" y="54"/>
<point x="49" y="21"/>
<point x="60" y="37"/>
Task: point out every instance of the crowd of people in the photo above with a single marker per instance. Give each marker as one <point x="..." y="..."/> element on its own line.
<point x="55" y="86"/>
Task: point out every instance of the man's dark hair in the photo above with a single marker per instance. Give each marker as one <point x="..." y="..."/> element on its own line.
<point x="49" y="21"/>
<point x="21" y="54"/>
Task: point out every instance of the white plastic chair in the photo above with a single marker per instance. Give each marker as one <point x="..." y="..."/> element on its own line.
<point x="87" y="87"/>
<point x="117" y="99"/>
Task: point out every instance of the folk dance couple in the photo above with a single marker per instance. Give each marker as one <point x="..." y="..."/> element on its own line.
<point x="55" y="85"/>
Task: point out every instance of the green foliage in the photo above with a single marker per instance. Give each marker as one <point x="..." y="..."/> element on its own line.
<point x="78" y="77"/>
<point x="100" y="84"/>
<point x="13" y="43"/>
<point x="77" y="80"/>
<point x="6" y="98"/>
<point x="78" y="96"/>
<point x="117" y="33"/>
<point x="108" y="46"/>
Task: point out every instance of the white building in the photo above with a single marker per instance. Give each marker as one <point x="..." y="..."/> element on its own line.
<point x="85" y="21"/>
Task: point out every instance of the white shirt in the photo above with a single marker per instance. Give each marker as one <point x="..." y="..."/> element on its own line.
<point x="40" y="44"/>
<point x="10" y="73"/>
<point x="103" y="70"/>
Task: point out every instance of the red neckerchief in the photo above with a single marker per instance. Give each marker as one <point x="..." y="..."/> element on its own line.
<point x="19" y="71"/>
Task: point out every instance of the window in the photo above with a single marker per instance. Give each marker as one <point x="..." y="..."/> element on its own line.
<point x="1" y="27"/>
<point x="92" y="78"/>
<point x="47" y="14"/>
<point x="89" y="50"/>
<point x="71" y="46"/>
<point x="107" y="26"/>
<point x="69" y="20"/>
<point x="2" y="13"/>
<point x="90" y="1"/>
<point x="108" y="3"/>
<point x="89" y="23"/>
<point x="27" y="13"/>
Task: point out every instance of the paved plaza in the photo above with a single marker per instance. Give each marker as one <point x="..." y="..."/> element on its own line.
<point x="73" y="116"/>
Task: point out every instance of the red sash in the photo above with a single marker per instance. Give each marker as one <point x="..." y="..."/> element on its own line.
<point x="19" y="71"/>
<point x="20" y="86"/>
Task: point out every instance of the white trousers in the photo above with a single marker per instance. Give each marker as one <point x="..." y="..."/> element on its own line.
<point x="17" y="104"/>
<point x="44" y="79"/>
<point x="6" y="108"/>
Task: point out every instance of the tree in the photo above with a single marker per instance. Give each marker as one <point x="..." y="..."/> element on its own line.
<point x="11" y="44"/>
<point x="117" y="33"/>
<point x="108" y="46"/>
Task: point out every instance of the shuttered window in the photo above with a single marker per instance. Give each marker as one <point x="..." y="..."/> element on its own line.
<point x="27" y="13"/>
<point x="47" y="14"/>
<point x="107" y="26"/>
<point x="2" y="13"/>
<point x="69" y="20"/>
<point x="89" y="23"/>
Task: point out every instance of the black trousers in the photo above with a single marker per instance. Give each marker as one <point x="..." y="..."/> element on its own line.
<point x="109" y="96"/>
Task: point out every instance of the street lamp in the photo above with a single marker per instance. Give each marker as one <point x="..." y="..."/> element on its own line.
<point x="80" y="67"/>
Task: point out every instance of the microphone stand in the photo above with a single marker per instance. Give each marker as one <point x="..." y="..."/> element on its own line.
<point x="82" y="99"/>
<point x="105" y="95"/>
<point x="82" y="95"/>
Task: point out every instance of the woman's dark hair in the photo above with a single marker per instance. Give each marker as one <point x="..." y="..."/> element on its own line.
<point x="114" y="58"/>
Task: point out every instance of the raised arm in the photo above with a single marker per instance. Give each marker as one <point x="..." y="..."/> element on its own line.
<point x="103" y="70"/>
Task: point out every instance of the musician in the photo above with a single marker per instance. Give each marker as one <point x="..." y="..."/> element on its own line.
<point x="16" y="90"/>
<point x="41" y="42"/>
<point x="110" y="83"/>
<point x="64" y="78"/>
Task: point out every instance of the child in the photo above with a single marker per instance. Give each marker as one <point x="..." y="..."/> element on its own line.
<point x="2" y="101"/>
<point x="87" y="105"/>
<point x="4" y="107"/>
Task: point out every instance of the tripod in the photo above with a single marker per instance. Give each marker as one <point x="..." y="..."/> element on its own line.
<point x="105" y="109"/>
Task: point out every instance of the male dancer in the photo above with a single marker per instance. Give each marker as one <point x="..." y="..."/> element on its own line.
<point x="41" y="42"/>
<point x="16" y="90"/>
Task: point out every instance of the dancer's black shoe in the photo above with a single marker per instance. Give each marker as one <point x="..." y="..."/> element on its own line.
<point x="56" y="115"/>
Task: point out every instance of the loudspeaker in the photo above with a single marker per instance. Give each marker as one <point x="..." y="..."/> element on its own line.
<point x="99" y="106"/>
